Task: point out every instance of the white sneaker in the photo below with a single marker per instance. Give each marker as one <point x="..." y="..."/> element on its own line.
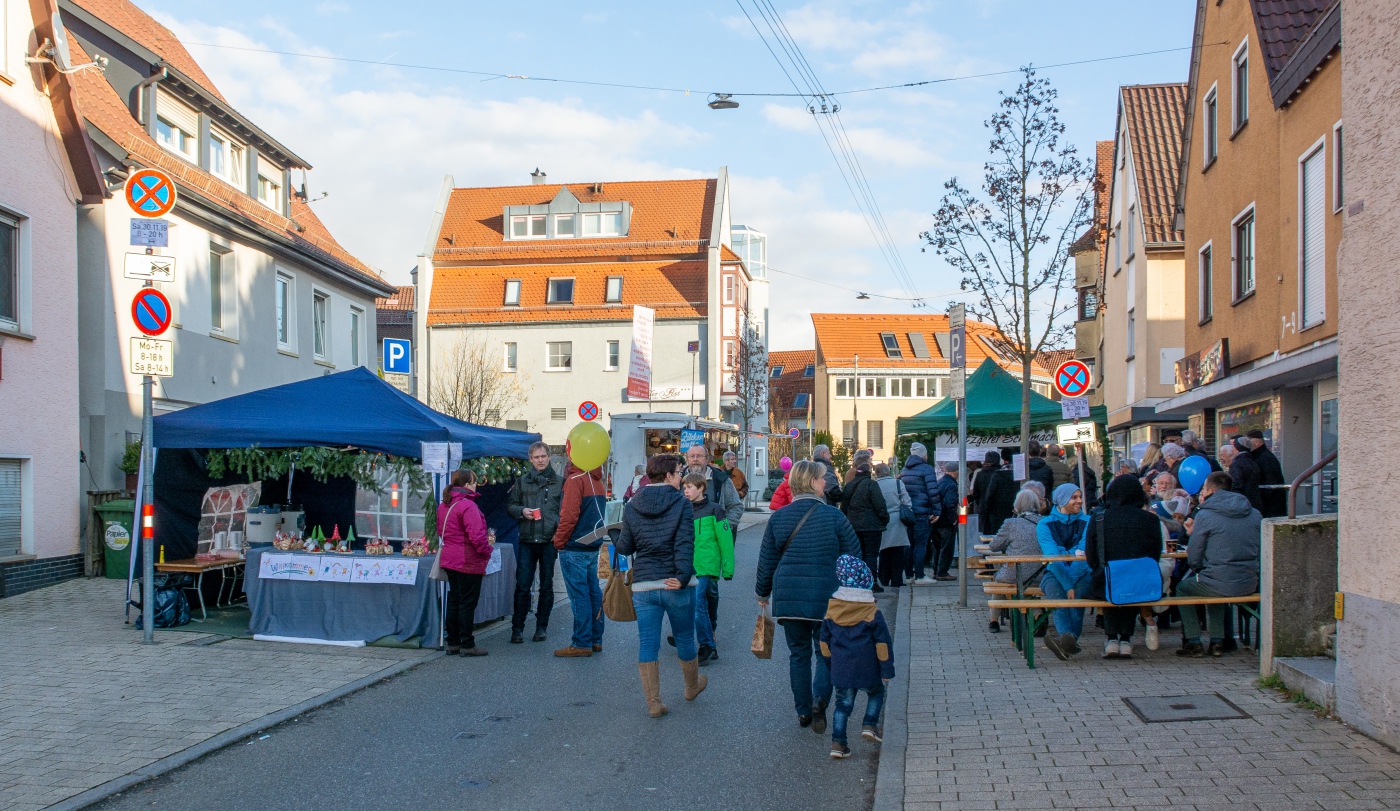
<point x="1153" y="638"/>
<point x="1110" y="649"/>
<point x="1125" y="650"/>
<point x="925" y="581"/>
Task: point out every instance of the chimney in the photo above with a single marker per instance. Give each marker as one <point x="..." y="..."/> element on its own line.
<point x="537" y="177"/>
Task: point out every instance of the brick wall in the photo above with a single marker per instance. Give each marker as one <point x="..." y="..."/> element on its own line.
<point x="35" y="574"/>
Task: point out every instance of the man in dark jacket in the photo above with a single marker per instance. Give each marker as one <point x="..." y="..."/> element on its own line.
<point x="1223" y="556"/>
<point x="1275" y="500"/>
<point x="945" y="527"/>
<point x="1244" y="473"/>
<point x="831" y="491"/>
<point x="1037" y="469"/>
<point x="534" y="504"/>
<point x="864" y="506"/>
<point x="1000" y="498"/>
<point x="1058" y="469"/>
<point x="921" y="482"/>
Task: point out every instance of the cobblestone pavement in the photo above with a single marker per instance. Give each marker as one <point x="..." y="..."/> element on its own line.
<point x="987" y="733"/>
<point x="85" y="702"/>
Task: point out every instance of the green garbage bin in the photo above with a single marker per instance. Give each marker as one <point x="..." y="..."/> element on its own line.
<point x="116" y="535"/>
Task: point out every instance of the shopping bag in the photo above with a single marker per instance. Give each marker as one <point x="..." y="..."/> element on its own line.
<point x="605" y="569"/>
<point x="1138" y="580"/>
<point x="762" y="646"/>
<point x="617" y="597"/>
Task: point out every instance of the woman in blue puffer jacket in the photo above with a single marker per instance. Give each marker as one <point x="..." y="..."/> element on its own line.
<point x="797" y="572"/>
<point x="1062" y="533"/>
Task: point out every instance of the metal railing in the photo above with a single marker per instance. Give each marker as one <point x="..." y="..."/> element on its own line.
<point x="1298" y="482"/>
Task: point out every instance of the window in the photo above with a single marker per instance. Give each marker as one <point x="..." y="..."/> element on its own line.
<point x="875" y="434"/>
<point x="921" y="388"/>
<point x="357" y="319"/>
<point x="607" y="224"/>
<point x="731" y="354"/>
<point x="286" y="315"/>
<point x="1205" y="269"/>
<point x="614" y="355"/>
<point x="11" y="506"/>
<point x="559" y="413"/>
<point x="901" y="387"/>
<point x="848" y="432"/>
<point x="564" y="225"/>
<point x="510" y="357"/>
<point x="776" y="372"/>
<point x="800" y="401"/>
<point x="561" y="291"/>
<point x="223" y="292"/>
<point x="1239" y="79"/>
<point x="917" y="343"/>
<point x="874" y="387"/>
<point x="845" y="387"/>
<point x="1243" y="250"/>
<point x="1117" y="247"/>
<point x="891" y="344"/>
<point x="320" y="304"/>
<point x="1210" y="122"/>
<point x="614" y="289"/>
<point x="1088" y="303"/>
<point x="1312" y="236"/>
<point x="517" y="425"/>
<point x="729" y="288"/>
<point x="9" y="270"/>
<point x="560" y="356"/>
<point x="393" y="510"/>
<point x="1132" y="333"/>
<point x="810" y="371"/>
<point x="1337" y="167"/>
<point x="1132" y="219"/>
<point x="225" y="158"/>
<point x="512" y="293"/>
<point x="529" y="227"/>
<point x="177" y="126"/>
<point x="174" y="139"/>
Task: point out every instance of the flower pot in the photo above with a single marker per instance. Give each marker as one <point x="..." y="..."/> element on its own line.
<point x="131" y="480"/>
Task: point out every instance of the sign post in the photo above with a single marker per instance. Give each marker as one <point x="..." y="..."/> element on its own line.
<point x="1072" y="382"/>
<point x="693" y="347"/>
<point x="957" y="342"/>
<point x="151" y="194"/>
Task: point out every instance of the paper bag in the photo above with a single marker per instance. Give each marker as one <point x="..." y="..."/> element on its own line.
<point x="762" y="646"/>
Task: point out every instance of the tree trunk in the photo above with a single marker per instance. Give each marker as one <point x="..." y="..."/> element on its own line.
<point x="1026" y="361"/>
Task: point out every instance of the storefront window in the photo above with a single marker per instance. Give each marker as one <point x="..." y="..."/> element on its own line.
<point x="1328" y="430"/>
<point x="1239" y="421"/>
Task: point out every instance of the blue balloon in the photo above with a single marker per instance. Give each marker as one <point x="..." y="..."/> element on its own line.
<point x="1192" y="473"/>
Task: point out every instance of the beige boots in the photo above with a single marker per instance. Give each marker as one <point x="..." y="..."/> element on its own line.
<point x="651" y="686"/>
<point x="694" y="682"/>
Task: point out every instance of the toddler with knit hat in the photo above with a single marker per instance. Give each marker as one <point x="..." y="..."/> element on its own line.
<point x="856" y="642"/>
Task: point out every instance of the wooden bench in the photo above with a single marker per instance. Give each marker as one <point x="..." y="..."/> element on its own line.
<point x="1024" y="624"/>
<point x="1009" y="589"/>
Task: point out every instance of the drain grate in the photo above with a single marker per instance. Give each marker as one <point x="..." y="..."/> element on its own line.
<point x="1168" y="709"/>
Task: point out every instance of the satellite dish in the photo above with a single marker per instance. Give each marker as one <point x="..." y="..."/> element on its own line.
<point x="60" y="44"/>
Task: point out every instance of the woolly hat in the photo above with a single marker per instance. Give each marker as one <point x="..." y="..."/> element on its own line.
<point x="1063" y="494"/>
<point x="918" y="449"/>
<point x="852" y="573"/>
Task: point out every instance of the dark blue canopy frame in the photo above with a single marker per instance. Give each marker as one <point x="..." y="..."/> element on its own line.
<point x="353" y="408"/>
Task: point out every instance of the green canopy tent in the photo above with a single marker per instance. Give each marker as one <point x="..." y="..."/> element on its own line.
<point x="993" y="405"/>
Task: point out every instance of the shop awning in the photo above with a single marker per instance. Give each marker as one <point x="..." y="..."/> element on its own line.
<point x="352" y="408"/>
<point x="993" y="404"/>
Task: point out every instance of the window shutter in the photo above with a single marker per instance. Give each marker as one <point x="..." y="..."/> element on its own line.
<point x="1314" y="228"/>
<point x="177" y="113"/>
<point x="10" y="507"/>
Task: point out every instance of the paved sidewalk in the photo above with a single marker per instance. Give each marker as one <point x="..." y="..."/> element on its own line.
<point x="84" y="702"/>
<point x="987" y="733"/>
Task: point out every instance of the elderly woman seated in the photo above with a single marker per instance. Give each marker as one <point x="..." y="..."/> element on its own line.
<point x="1017" y="537"/>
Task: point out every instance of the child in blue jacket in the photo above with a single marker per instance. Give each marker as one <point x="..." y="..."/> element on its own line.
<point x="857" y="643"/>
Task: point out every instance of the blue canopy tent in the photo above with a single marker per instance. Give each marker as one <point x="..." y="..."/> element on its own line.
<point x="354" y="409"/>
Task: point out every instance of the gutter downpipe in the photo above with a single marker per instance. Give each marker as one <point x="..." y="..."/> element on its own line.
<point x="148" y="106"/>
<point x="1293" y="488"/>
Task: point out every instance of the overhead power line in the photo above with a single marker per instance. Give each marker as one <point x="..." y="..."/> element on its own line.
<point x="920" y="297"/>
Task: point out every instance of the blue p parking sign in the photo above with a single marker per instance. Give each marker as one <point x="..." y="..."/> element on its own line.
<point x="398" y="358"/>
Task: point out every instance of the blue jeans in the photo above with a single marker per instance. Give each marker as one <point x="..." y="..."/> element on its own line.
<point x="704" y="633"/>
<point x="1067" y="620"/>
<point x="918" y="547"/>
<point x="846" y="704"/>
<point x="677" y="604"/>
<point x="803" y="641"/>
<point x="585" y="596"/>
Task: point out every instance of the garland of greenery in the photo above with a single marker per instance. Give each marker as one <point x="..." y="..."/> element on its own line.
<point x="364" y="468"/>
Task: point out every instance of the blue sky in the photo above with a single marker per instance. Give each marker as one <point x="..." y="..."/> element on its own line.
<point x="382" y="138"/>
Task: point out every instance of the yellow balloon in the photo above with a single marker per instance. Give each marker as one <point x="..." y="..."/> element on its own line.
<point x="588" y="445"/>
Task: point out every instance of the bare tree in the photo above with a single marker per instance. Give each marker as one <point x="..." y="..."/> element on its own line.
<point x="751" y="379"/>
<point x="468" y="383"/>
<point x="1011" y="243"/>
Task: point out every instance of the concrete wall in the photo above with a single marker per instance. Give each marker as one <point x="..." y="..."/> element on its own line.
<point x="39" y="388"/>
<point x="1297" y="586"/>
<point x="1368" y="644"/>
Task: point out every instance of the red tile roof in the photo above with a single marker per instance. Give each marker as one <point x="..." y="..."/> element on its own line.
<point x="1051" y="359"/>
<point x="401" y="300"/>
<point x="1155" y="116"/>
<point x="843" y="336"/>
<point x="151" y="35"/>
<point x="795" y="360"/>
<point x="670" y="219"/>
<point x="475" y="295"/>
<point x="1283" y="25"/>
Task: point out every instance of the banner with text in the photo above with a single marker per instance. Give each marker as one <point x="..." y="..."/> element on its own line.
<point x="639" y="368"/>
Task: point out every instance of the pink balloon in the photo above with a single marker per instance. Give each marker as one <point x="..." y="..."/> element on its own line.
<point x="785" y="464"/>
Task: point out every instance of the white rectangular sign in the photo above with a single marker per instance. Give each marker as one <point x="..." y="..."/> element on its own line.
<point x="1018" y="466"/>
<point x="146" y="266"/>
<point x="639" y="367"/>
<point x="957" y="383"/>
<point x="150" y="233"/>
<point x="1076" y="433"/>
<point x="152" y="356"/>
<point x="435" y="457"/>
<point x="1074" y="408"/>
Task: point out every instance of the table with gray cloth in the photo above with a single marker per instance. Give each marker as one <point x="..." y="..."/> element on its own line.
<point x="311" y="609"/>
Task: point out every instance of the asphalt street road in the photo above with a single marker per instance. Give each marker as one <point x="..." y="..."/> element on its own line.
<point x="522" y="729"/>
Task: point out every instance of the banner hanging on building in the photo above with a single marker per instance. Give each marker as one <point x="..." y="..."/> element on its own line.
<point x="639" y="368"/>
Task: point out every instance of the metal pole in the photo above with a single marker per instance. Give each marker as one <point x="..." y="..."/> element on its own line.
<point x="148" y="559"/>
<point x="962" y="501"/>
<point x="692" y="386"/>
<point x="1080" y="463"/>
<point x="855" y="410"/>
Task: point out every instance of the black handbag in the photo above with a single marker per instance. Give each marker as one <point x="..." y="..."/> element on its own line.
<point x="906" y="512"/>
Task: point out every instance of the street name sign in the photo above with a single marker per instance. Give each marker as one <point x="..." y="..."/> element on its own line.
<point x="150" y="233"/>
<point x="1074" y="408"/>
<point x="150" y="192"/>
<point x="1076" y="433"/>
<point x="1072" y="378"/>
<point x="150" y="311"/>
<point x="151" y="356"/>
<point x="149" y="268"/>
<point x="397" y="356"/>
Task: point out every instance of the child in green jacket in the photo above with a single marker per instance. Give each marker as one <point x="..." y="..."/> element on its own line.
<point x="714" y="556"/>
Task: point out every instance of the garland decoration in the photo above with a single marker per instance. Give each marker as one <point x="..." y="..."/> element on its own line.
<point x="365" y="469"/>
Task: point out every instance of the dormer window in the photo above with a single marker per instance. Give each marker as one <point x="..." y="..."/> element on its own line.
<point x="269" y="184"/>
<point x="614" y="290"/>
<point x="175" y="139"/>
<point x="566" y="225"/>
<point x="606" y="224"/>
<point x="891" y="343"/>
<point x="561" y="291"/>
<point x="810" y="371"/>
<point x="531" y="227"/>
<point x="512" y="293"/>
<point x="177" y="127"/>
<point x="225" y="158"/>
<point x="777" y="371"/>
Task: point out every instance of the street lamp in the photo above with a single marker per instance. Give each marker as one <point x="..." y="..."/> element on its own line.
<point x="722" y="101"/>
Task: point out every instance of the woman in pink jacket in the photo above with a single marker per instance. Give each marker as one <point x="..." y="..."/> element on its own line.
<point x="465" y="550"/>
